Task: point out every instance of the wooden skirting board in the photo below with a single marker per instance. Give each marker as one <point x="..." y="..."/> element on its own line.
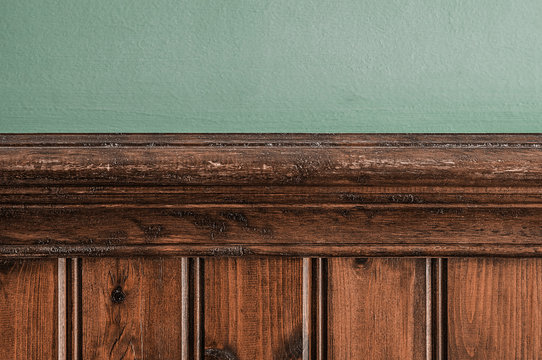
<point x="306" y="195"/>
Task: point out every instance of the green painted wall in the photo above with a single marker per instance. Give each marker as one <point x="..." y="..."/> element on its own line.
<point x="271" y="66"/>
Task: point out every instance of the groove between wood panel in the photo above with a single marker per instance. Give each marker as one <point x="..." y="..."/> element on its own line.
<point x="192" y="309"/>
<point x="74" y="297"/>
<point x="69" y="309"/>
<point x="429" y="309"/>
<point x="62" y="317"/>
<point x="314" y="309"/>
<point x="198" y="288"/>
<point x="185" y="346"/>
<point x="436" y="309"/>
<point x="321" y="279"/>
<point x="307" y="314"/>
<point x="442" y="333"/>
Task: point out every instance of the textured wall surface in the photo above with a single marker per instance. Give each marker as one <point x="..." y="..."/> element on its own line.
<point x="262" y="65"/>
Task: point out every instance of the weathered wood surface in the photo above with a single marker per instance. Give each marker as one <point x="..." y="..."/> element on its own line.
<point x="131" y="308"/>
<point x="267" y="159"/>
<point x="495" y="308"/>
<point x="377" y="309"/>
<point x="234" y="198"/>
<point x="28" y="310"/>
<point x="270" y="194"/>
<point x="253" y="309"/>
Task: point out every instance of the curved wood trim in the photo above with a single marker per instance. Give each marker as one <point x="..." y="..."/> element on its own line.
<point x="270" y="194"/>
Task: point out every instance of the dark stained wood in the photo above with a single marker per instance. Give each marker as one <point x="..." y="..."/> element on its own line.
<point x="28" y="310"/>
<point x="318" y="310"/>
<point x="356" y="231"/>
<point x="267" y="159"/>
<point x="273" y="165"/>
<point x="250" y="213"/>
<point x="436" y="293"/>
<point x="197" y="308"/>
<point x="270" y="194"/>
<point x="377" y="308"/>
<point x="131" y="308"/>
<point x="253" y="309"/>
<point x="73" y="311"/>
<point x="268" y="139"/>
<point x="278" y="250"/>
<point x="495" y="308"/>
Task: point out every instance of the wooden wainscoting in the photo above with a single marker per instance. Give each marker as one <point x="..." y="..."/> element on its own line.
<point x="270" y="246"/>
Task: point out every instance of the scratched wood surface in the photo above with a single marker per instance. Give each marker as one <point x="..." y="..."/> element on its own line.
<point x="28" y="312"/>
<point x="377" y="308"/>
<point x="253" y="309"/>
<point x="131" y="308"/>
<point x="270" y="194"/>
<point x="495" y="308"/>
<point x="269" y="159"/>
<point x="240" y="205"/>
<point x="271" y="231"/>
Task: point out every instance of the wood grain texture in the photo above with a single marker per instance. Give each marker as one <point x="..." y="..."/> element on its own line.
<point x="253" y="309"/>
<point x="437" y="314"/>
<point x="319" y="318"/>
<point x="270" y="159"/>
<point x="74" y="311"/>
<point x="495" y="308"/>
<point x="277" y="230"/>
<point x="233" y="198"/>
<point x="131" y="308"/>
<point x="270" y="194"/>
<point x="28" y="308"/>
<point x="377" y="308"/>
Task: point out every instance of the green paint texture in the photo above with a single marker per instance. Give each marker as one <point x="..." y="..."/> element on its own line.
<point x="270" y="66"/>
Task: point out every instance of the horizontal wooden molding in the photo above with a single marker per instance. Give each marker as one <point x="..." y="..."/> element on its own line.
<point x="270" y="194"/>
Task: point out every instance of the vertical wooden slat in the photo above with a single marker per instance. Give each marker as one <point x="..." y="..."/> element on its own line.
<point x="307" y="307"/>
<point x="191" y="309"/>
<point x="314" y="309"/>
<point x="131" y="308"/>
<point x="62" y="309"/>
<point x="69" y="314"/>
<point x="429" y="310"/>
<point x="441" y="311"/>
<point x="435" y="309"/>
<point x="28" y="310"/>
<point x="322" y="315"/>
<point x="185" y="308"/>
<point x="74" y="319"/>
<point x="253" y="308"/>
<point x="318" y="310"/>
<point x="197" y="286"/>
<point x="377" y="308"/>
<point x="495" y="308"/>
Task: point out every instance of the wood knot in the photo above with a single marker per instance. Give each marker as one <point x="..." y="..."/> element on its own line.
<point x="117" y="295"/>
<point x="360" y="261"/>
<point x="218" y="354"/>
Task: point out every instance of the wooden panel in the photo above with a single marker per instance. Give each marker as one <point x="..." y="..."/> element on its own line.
<point x="377" y="308"/>
<point x="495" y="308"/>
<point x="28" y="305"/>
<point x="253" y="308"/>
<point x="131" y="308"/>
